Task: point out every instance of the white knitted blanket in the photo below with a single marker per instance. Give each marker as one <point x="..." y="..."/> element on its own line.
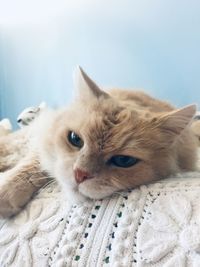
<point x="155" y="225"/>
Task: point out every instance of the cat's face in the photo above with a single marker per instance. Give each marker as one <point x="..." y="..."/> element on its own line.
<point x="99" y="147"/>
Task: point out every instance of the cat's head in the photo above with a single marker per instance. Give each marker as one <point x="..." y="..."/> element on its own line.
<point x="98" y="145"/>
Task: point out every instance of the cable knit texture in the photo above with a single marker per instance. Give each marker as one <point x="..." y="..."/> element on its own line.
<point x="155" y="225"/>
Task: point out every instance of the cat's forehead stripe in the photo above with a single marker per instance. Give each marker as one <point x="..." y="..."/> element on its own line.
<point x="106" y="133"/>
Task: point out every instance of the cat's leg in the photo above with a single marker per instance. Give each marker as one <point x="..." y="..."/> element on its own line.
<point x="18" y="185"/>
<point x="9" y="155"/>
<point x="12" y="149"/>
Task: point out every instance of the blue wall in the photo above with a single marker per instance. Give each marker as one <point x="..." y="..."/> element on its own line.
<point x="131" y="43"/>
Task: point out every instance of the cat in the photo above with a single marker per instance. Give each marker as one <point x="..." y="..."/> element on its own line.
<point x="104" y="142"/>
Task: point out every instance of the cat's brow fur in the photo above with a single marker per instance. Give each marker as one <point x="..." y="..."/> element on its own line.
<point x="115" y="122"/>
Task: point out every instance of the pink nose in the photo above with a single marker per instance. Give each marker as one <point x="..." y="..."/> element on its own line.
<point x="81" y="175"/>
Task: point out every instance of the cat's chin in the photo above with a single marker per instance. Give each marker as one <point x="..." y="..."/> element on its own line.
<point x="90" y="189"/>
<point x="95" y="191"/>
<point x="84" y="193"/>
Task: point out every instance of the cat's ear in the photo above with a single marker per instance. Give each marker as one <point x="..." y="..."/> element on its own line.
<point x="85" y="87"/>
<point x="176" y="121"/>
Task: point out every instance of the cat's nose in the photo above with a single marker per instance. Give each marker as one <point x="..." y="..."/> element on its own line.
<point x="81" y="175"/>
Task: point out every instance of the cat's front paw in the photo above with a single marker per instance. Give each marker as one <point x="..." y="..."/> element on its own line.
<point x="6" y="209"/>
<point x="8" y="205"/>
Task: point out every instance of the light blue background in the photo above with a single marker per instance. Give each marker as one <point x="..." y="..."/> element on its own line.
<point x="153" y="45"/>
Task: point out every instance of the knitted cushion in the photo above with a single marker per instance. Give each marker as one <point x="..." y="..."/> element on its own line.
<point x="154" y="225"/>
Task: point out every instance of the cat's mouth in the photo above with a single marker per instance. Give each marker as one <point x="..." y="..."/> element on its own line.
<point x="94" y="189"/>
<point x="91" y="185"/>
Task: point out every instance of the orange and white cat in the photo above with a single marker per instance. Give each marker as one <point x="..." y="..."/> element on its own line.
<point x="102" y="143"/>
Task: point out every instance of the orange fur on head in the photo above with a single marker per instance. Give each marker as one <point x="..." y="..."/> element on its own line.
<point x="196" y="128"/>
<point x="113" y="123"/>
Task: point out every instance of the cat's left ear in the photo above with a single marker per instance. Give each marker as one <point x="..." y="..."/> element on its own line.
<point x="85" y="87"/>
<point x="176" y="121"/>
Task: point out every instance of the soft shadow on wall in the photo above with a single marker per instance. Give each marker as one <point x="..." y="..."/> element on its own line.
<point x="133" y="44"/>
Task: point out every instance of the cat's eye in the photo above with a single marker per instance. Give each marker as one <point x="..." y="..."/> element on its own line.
<point x="123" y="161"/>
<point x="75" y="140"/>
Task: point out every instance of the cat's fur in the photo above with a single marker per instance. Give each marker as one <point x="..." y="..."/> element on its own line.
<point x="29" y="114"/>
<point x="196" y="127"/>
<point x="111" y="123"/>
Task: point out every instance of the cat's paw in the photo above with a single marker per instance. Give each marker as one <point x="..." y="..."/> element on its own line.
<point x="8" y="205"/>
<point x="6" y="209"/>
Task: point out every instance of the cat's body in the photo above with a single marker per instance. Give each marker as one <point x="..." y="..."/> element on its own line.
<point x="102" y="143"/>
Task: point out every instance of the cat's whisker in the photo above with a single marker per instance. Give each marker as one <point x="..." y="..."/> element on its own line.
<point x="119" y="193"/>
<point x="41" y="176"/>
<point x="44" y="187"/>
<point x="49" y="183"/>
<point x="44" y="178"/>
<point x="118" y="183"/>
<point x="40" y="173"/>
<point x="122" y="187"/>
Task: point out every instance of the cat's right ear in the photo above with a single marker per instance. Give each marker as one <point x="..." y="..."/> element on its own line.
<point x="86" y="88"/>
<point x="176" y="121"/>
